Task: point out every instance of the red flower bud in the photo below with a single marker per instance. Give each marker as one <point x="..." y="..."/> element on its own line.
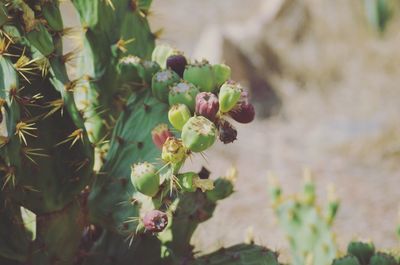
<point x="160" y="134"/>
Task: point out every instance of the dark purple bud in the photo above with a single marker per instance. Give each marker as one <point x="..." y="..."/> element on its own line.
<point x="177" y="63"/>
<point x="207" y="105"/>
<point x="204" y="173"/>
<point x="227" y="133"/>
<point x="155" y="221"/>
<point x="243" y="112"/>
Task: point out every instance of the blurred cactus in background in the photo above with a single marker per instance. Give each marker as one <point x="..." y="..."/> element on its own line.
<point x="379" y="12"/>
<point x="307" y="229"/>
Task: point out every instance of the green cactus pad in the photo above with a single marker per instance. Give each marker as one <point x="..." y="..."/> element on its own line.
<point x="198" y="134"/>
<point x="52" y="14"/>
<point x="189" y="210"/>
<point x="41" y="39"/>
<point x="161" y="83"/>
<point x="201" y="75"/>
<point x="183" y="93"/>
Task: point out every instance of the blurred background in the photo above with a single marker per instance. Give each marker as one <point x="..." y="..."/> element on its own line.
<point x="325" y="78"/>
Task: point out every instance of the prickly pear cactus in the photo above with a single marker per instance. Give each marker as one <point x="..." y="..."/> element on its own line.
<point x="307" y="229"/>
<point x="93" y="159"/>
<point x="364" y="253"/>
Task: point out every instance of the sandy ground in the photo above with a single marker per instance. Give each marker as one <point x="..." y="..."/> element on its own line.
<point x="342" y="122"/>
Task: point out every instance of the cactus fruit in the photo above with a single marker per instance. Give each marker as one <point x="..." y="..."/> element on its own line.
<point x="207" y="105"/>
<point x="200" y="74"/>
<point x="243" y="112"/>
<point x="198" y="134"/>
<point x="160" y="134"/>
<point x="347" y="260"/>
<point x="173" y="151"/>
<point x="161" y="83"/>
<point x="363" y="251"/>
<point x="183" y="93"/>
<point x="229" y="95"/>
<point x="227" y="133"/>
<point x="178" y="115"/>
<point x="155" y="221"/>
<point x="223" y="188"/>
<point x="222" y="73"/>
<point x="145" y="178"/>
<point x="177" y="63"/>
